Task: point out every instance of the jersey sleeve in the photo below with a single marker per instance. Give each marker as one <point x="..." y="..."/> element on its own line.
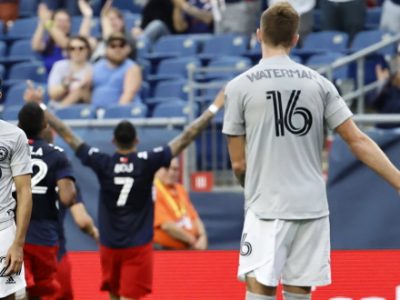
<point x="157" y="158"/>
<point x="92" y="157"/>
<point x="64" y="168"/>
<point x="234" y="123"/>
<point x="336" y="110"/>
<point x="20" y="156"/>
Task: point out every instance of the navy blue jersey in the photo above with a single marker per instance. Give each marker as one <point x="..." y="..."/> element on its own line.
<point x="62" y="247"/>
<point x="49" y="164"/>
<point x="126" y="209"/>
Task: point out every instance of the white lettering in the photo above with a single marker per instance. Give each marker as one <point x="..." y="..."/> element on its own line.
<point x="123" y="168"/>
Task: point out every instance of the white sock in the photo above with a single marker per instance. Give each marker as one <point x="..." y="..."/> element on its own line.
<point x="293" y="296"/>
<point x="252" y="296"/>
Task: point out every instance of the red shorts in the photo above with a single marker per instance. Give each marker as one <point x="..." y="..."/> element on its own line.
<point x="127" y="272"/>
<point x="41" y="270"/>
<point x="64" y="278"/>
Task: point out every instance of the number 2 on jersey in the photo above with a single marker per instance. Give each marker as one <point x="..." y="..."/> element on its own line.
<point x="285" y="121"/>
<point x="127" y="183"/>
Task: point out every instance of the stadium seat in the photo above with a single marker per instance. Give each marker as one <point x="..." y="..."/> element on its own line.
<point x="20" y="51"/>
<point x="373" y="18"/>
<point x="77" y="111"/>
<point x="173" y="46"/>
<point x="321" y="42"/>
<point x="220" y="45"/>
<point x="15" y="93"/>
<point x="234" y="65"/>
<point x="131" y="20"/>
<point x="27" y="8"/>
<point x="171" y="88"/>
<point x="134" y="110"/>
<point x="177" y="108"/>
<point x="367" y="38"/>
<point x="2" y="72"/>
<point x="319" y="60"/>
<point x="10" y="113"/>
<point x="174" y="68"/>
<point x="127" y="5"/>
<point x="254" y="53"/>
<point x="22" y="29"/>
<point x="34" y="71"/>
<point x="143" y="47"/>
<point x="3" y="48"/>
<point x="208" y="94"/>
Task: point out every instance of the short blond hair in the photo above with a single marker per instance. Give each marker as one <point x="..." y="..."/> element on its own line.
<point x="278" y="24"/>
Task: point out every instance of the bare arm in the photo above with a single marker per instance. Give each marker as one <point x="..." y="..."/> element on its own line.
<point x="66" y="191"/>
<point x="200" y="14"/>
<point x="178" y="233"/>
<point x="202" y="240"/>
<point x="37" y="42"/>
<point x="105" y="22"/>
<point x="178" y="19"/>
<point x="367" y="151"/>
<point x="84" y="220"/>
<point x="14" y="257"/>
<point x="193" y="130"/>
<point x="237" y="154"/>
<point x="132" y="84"/>
<point x="63" y="130"/>
<point x="87" y="13"/>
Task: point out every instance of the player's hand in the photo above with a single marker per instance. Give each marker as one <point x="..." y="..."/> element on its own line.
<point x="33" y="94"/>
<point x="85" y="8"/>
<point x="95" y="234"/>
<point x="14" y="259"/>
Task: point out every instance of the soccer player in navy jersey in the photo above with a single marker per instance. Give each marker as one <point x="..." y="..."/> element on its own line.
<point x="126" y="208"/>
<point x="51" y="170"/>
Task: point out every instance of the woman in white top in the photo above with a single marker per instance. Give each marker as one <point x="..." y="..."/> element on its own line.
<point x="69" y="79"/>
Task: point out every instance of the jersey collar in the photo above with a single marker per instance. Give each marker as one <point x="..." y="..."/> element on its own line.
<point x="278" y="59"/>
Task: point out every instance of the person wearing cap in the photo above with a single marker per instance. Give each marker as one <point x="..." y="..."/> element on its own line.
<point x="116" y="75"/>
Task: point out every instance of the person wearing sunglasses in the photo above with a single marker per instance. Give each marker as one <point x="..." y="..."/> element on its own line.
<point x="116" y="75"/>
<point x="69" y="79"/>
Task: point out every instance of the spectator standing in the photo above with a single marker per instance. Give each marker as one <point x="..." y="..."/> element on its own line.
<point x="343" y="15"/>
<point x="126" y="208"/>
<point x="15" y="212"/>
<point x="69" y="79"/>
<point x="116" y="74"/>
<point x="237" y="16"/>
<point x="390" y="18"/>
<point x="51" y="170"/>
<point x="177" y="224"/>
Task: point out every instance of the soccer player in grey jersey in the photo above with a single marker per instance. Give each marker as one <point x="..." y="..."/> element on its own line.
<point x="274" y="118"/>
<point x="15" y="167"/>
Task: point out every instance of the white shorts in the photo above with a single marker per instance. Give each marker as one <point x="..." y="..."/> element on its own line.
<point x="296" y="252"/>
<point x="9" y="284"/>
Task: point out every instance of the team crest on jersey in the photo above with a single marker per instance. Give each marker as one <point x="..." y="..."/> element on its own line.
<point x="3" y="153"/>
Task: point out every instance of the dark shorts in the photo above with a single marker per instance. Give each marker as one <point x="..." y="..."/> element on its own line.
<point x="127" y="272"/>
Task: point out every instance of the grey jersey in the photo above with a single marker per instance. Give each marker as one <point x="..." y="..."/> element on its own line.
<point x="15" y="159"/>
<point x="280" y="106"/>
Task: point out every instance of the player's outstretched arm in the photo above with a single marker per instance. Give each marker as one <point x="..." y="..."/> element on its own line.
<point x="192" y="131"/>
<point x="84" y="220"/>
<point x="366" y="150"/>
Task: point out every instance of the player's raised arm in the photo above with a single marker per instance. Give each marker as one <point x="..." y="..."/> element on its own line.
<point x="193" y="129"/>
<point x="33" y="94"/>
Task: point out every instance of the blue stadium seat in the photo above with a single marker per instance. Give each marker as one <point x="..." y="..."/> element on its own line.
<point x="27" y="8"/>
<point x="20" y="51"/>
<point x="134" y="110"/>
<point x="77" y="111"/>
<point x="34" y="71"/>
<point x="321" y="42"/>
<point x="220" y="45"/>
<point x="95" y="29"/>
<point x="177" y="108"/>
<point x="373" y="18"/>
<point x="171" y="88"/>
<point x="2" y="72"/>
<point x="174" y="68"/>
<point x="367" y="38"/>
<point x="2" y="30"/>
<point x="131" y="20"/>
<point x="15" y="93"/>
<point x="127" y="5"/>
<point x="173" y="46"/>
<point x="22" y="29"/>
<point x="319" y="60"/>
<point x="144" y="90"/>
<point x="143" y="47"/>
<point x="10" y="113"/>
<point x="3" y="48"/>
<point x="254" y="53"/>
<point x="234" y="65"/>
<point x="208" y="94"/>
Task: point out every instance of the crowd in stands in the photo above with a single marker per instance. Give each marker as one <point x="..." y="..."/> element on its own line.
<point x="102" y="54"/>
